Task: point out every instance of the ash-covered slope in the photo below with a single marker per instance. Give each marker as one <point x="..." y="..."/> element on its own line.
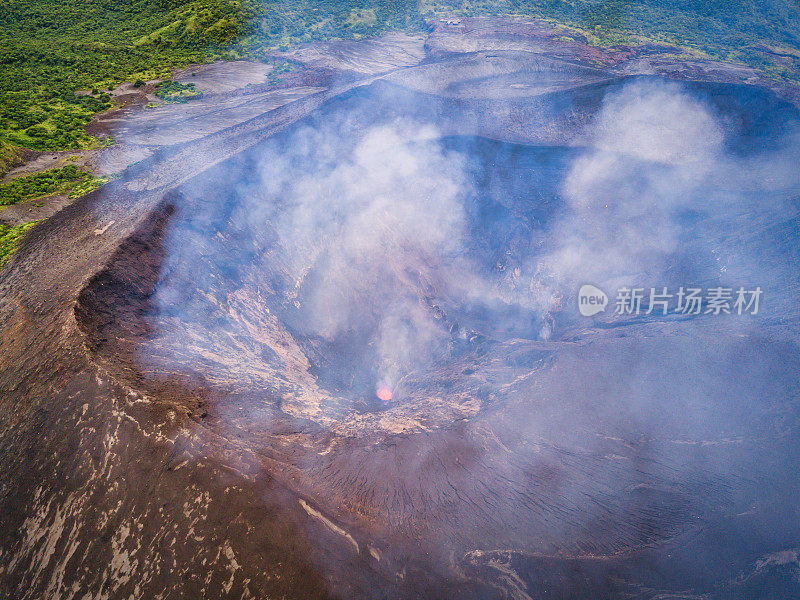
<point x="191" y="406"/>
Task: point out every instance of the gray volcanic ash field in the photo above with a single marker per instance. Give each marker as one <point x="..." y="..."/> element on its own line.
<point x="194" y="388"/>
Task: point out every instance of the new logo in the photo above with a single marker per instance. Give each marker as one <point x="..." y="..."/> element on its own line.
<point x="591" y="300"/>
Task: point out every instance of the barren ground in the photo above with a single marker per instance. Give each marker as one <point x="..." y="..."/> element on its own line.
<point x="129" y="471"/>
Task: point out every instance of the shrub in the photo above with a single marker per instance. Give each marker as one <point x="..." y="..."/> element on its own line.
<point x="37" y="131"/>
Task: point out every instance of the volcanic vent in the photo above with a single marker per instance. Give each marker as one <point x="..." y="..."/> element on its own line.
<point x="341" y="259"/>
<point x="373" y="301"/>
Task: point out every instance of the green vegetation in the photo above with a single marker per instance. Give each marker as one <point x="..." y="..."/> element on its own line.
<point x="197" y="23"/>
<point x="86" y="185"/>
<point x="69" y="179"/>
<point x="363" y="18"/>
<point x="764" y="34"/>
<point x="173" y="92"/>
<point x="9" y="239"/>
<point x="279" y="68"/>
<point x="279" y="25"/>
<point x="10" y="156"/>
<point x="51" y="49"/>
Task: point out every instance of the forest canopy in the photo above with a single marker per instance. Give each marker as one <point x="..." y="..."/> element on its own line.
<point x="49" y="49"/>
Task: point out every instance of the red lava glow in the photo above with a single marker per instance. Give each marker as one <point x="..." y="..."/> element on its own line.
<point x="384" y="394"/>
